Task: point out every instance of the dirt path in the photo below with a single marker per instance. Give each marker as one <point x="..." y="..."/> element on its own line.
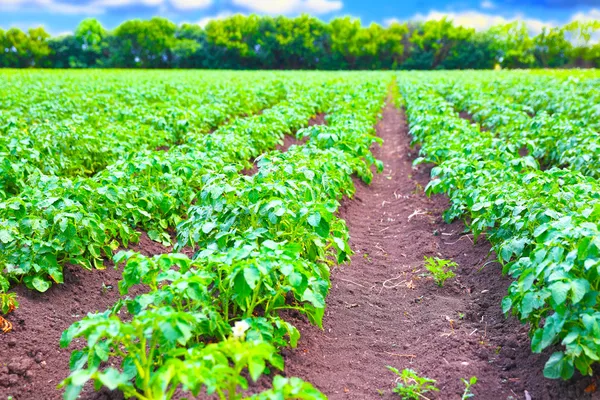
<point x="383" y="311"/>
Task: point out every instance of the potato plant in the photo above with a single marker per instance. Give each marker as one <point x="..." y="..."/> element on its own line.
<point x="56" y="220"/>
<point x="544" y="224"/>
<point x="264" y="243"/>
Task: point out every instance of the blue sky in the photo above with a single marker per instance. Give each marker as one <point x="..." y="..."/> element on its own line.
<point x="61" y="16"/>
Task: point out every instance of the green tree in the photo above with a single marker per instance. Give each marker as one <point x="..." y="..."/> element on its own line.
<point x="303" y="42"/>
<point x="392" y="45"/>
<point x="16" y="49"/>
<point x="513" y="45"/>
<point x="345" y="42"/>
<point x="291" y="43"/>
<point x="38" y="49"/>
<point x="552" y="48"/>
<point x="90" y="37"/>
<point x="581" y="33"/>
<point x="3" y="48"/>
<point x="474" y="52"/>
<point x="434" y="41"/>
<point x="65" y="52"/>
<point x="145" y="44"/>
<point x="233" y="41"/>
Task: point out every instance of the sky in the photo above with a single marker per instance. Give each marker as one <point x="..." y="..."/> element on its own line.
<point x="62" y="16"/>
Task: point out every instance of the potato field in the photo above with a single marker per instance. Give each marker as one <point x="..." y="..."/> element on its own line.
<point x="299" y="235"/>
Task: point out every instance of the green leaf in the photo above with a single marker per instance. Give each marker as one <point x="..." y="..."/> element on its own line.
<point x="5" y="236"/>
<point x="78" y="358"/>
<point x="506" y="304"/>
<point x="558" y="366"/>
<point x="113" y="379"/>
<point x="40" y="284"/>
<point x="314" y="298"/>
<point x="256" y="366"/>
<point x="323" y="229"/>
<point x="252" y="276"/>
<point x="80" y="377"/>
<point x="527" y="304"/>
<point x="559" y="291"/>
<point x="72" y="392"/>
<point x="579" y="287"/>
<point x="341" y="245"/>
<point x="314" y="219"/>
<point x="154" y="235"/>
<point x="590" y="323"/>
<point x="208" y="226"/>
<point x="240" y="286"/>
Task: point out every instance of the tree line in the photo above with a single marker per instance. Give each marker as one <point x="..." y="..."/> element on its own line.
<point x="304" y="42"/>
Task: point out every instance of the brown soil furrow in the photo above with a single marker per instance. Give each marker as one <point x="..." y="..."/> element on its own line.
<point x="384" y="310"/>
<point x="31" y="362"/>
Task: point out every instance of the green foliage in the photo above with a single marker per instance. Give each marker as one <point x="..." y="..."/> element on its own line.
<point x="412" y="386"/>
<point x="302" y="42"/>
<point x="264" y="244"/>
<point x="289" y="388"/>
<point x="81" y="219"/>
<point x="8" y="302"/>
<point x="513" y="45"/>
<point x="543" y="223"/>
<point x="468" y="385"/>
<point x="440" y="269"/>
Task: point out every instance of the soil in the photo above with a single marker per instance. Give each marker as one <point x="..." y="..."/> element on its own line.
<point x="382" y="309"/>
<point x="31" y="362"/>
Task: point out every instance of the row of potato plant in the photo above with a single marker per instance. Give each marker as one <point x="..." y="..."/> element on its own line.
<point x="58" y="220"/>
<point x="265" y="244"/>
<point x="75" y="133"/>
<point x="562" y="134"/>
<point x="543" y="224"/>
<point x="568" y="95"/>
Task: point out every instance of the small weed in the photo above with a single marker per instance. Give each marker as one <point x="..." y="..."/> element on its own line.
<point x="468" y="384"/>
<point x="418" y="189"/>
<point x="106" y="288"/>
<point x="440" y="269"/>
<point x="411" y="386"/>
<point x="461" y="315"/>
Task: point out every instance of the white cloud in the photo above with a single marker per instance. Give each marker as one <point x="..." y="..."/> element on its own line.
<point x="487" y="5"/>
<point x="290" y="6"/>
<point x="222" y="15"/>
<point x="478" y="20"/>
<point x="190" y="4"/>
<point x="51" y="6"/>
<point x="62" y="33"/>
<point x="590" y="15"/>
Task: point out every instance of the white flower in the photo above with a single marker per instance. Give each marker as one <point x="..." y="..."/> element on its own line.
<point x="240" y="328"/>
